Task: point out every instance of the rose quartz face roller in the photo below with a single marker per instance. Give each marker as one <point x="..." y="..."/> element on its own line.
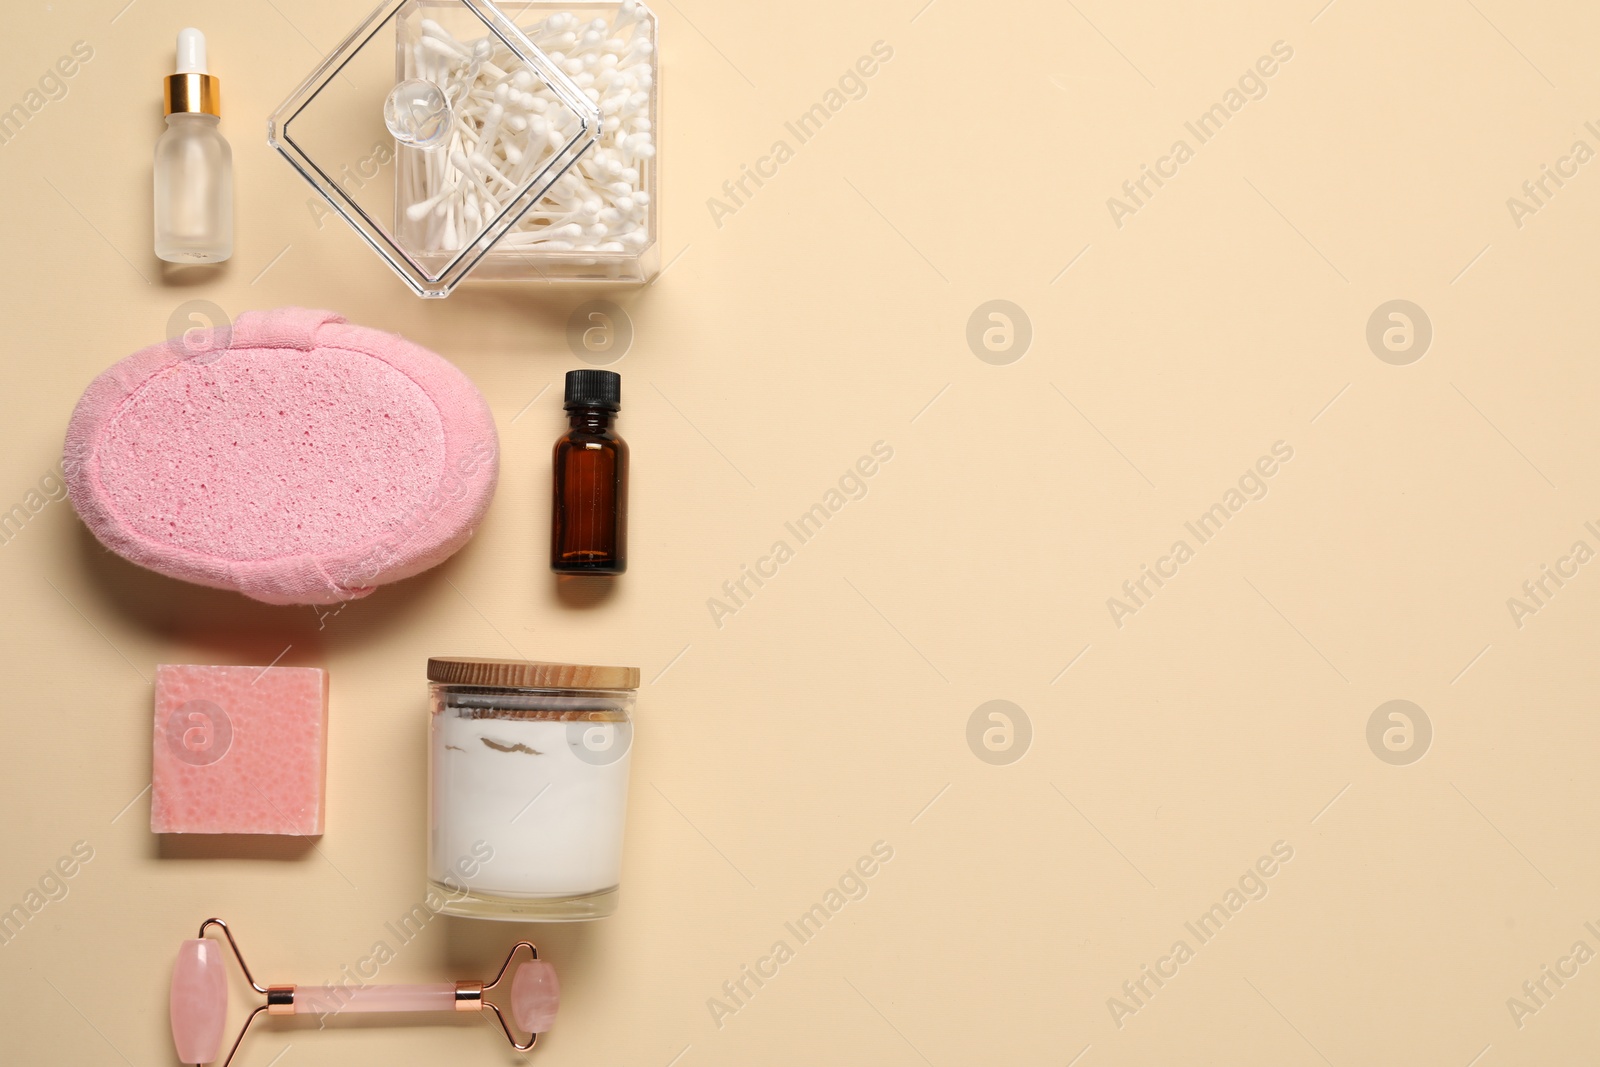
<point x="199" y="1000"/>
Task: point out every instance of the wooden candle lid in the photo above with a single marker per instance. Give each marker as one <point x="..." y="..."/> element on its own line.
<point x="530" y="674"/>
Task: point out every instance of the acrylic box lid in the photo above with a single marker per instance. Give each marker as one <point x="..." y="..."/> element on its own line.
<point x="431" y="130"/>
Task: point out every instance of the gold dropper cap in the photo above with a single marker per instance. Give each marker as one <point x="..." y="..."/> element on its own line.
<point x="192" y="91"/>
<point x="193" y="94"/>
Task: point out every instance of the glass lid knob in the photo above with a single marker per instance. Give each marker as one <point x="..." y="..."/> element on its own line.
<point x="418" y="113"/>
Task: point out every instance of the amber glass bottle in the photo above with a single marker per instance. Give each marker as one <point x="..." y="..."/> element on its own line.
<point x="589" y="513"/>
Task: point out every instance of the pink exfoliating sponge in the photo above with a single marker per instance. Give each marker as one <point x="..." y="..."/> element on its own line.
<point x="239" y="750"/>
<point x="292" y="456"/>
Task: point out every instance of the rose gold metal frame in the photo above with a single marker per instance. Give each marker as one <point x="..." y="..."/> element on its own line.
<point x="533" y="954"/>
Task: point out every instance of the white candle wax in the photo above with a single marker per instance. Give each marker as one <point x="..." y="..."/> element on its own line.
<point x="548" y="796"/>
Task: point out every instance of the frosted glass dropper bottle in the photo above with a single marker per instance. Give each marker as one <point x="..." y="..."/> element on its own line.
<point x="194" y="165"/>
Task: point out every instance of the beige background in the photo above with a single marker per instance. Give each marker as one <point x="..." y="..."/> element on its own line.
<point x="828" y="313"/>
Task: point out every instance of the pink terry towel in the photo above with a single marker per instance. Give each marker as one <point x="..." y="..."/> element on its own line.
<point x="292" y="456"/>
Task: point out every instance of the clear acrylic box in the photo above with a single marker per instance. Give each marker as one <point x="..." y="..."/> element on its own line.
<point x="463" y="137"/>
<point x="633" y="265"/>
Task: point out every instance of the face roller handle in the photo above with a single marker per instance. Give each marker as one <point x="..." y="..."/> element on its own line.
<point x="199" y="1001"/>
<point x="325" y="1000"/>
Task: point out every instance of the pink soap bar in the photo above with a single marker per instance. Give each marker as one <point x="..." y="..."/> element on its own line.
<point x="239" y="750"/>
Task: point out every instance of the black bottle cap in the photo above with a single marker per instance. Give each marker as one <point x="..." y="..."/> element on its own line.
<point x="594" y="389"/>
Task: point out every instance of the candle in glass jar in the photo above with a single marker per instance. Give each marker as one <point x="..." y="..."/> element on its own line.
<point x="528" y="776"/>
